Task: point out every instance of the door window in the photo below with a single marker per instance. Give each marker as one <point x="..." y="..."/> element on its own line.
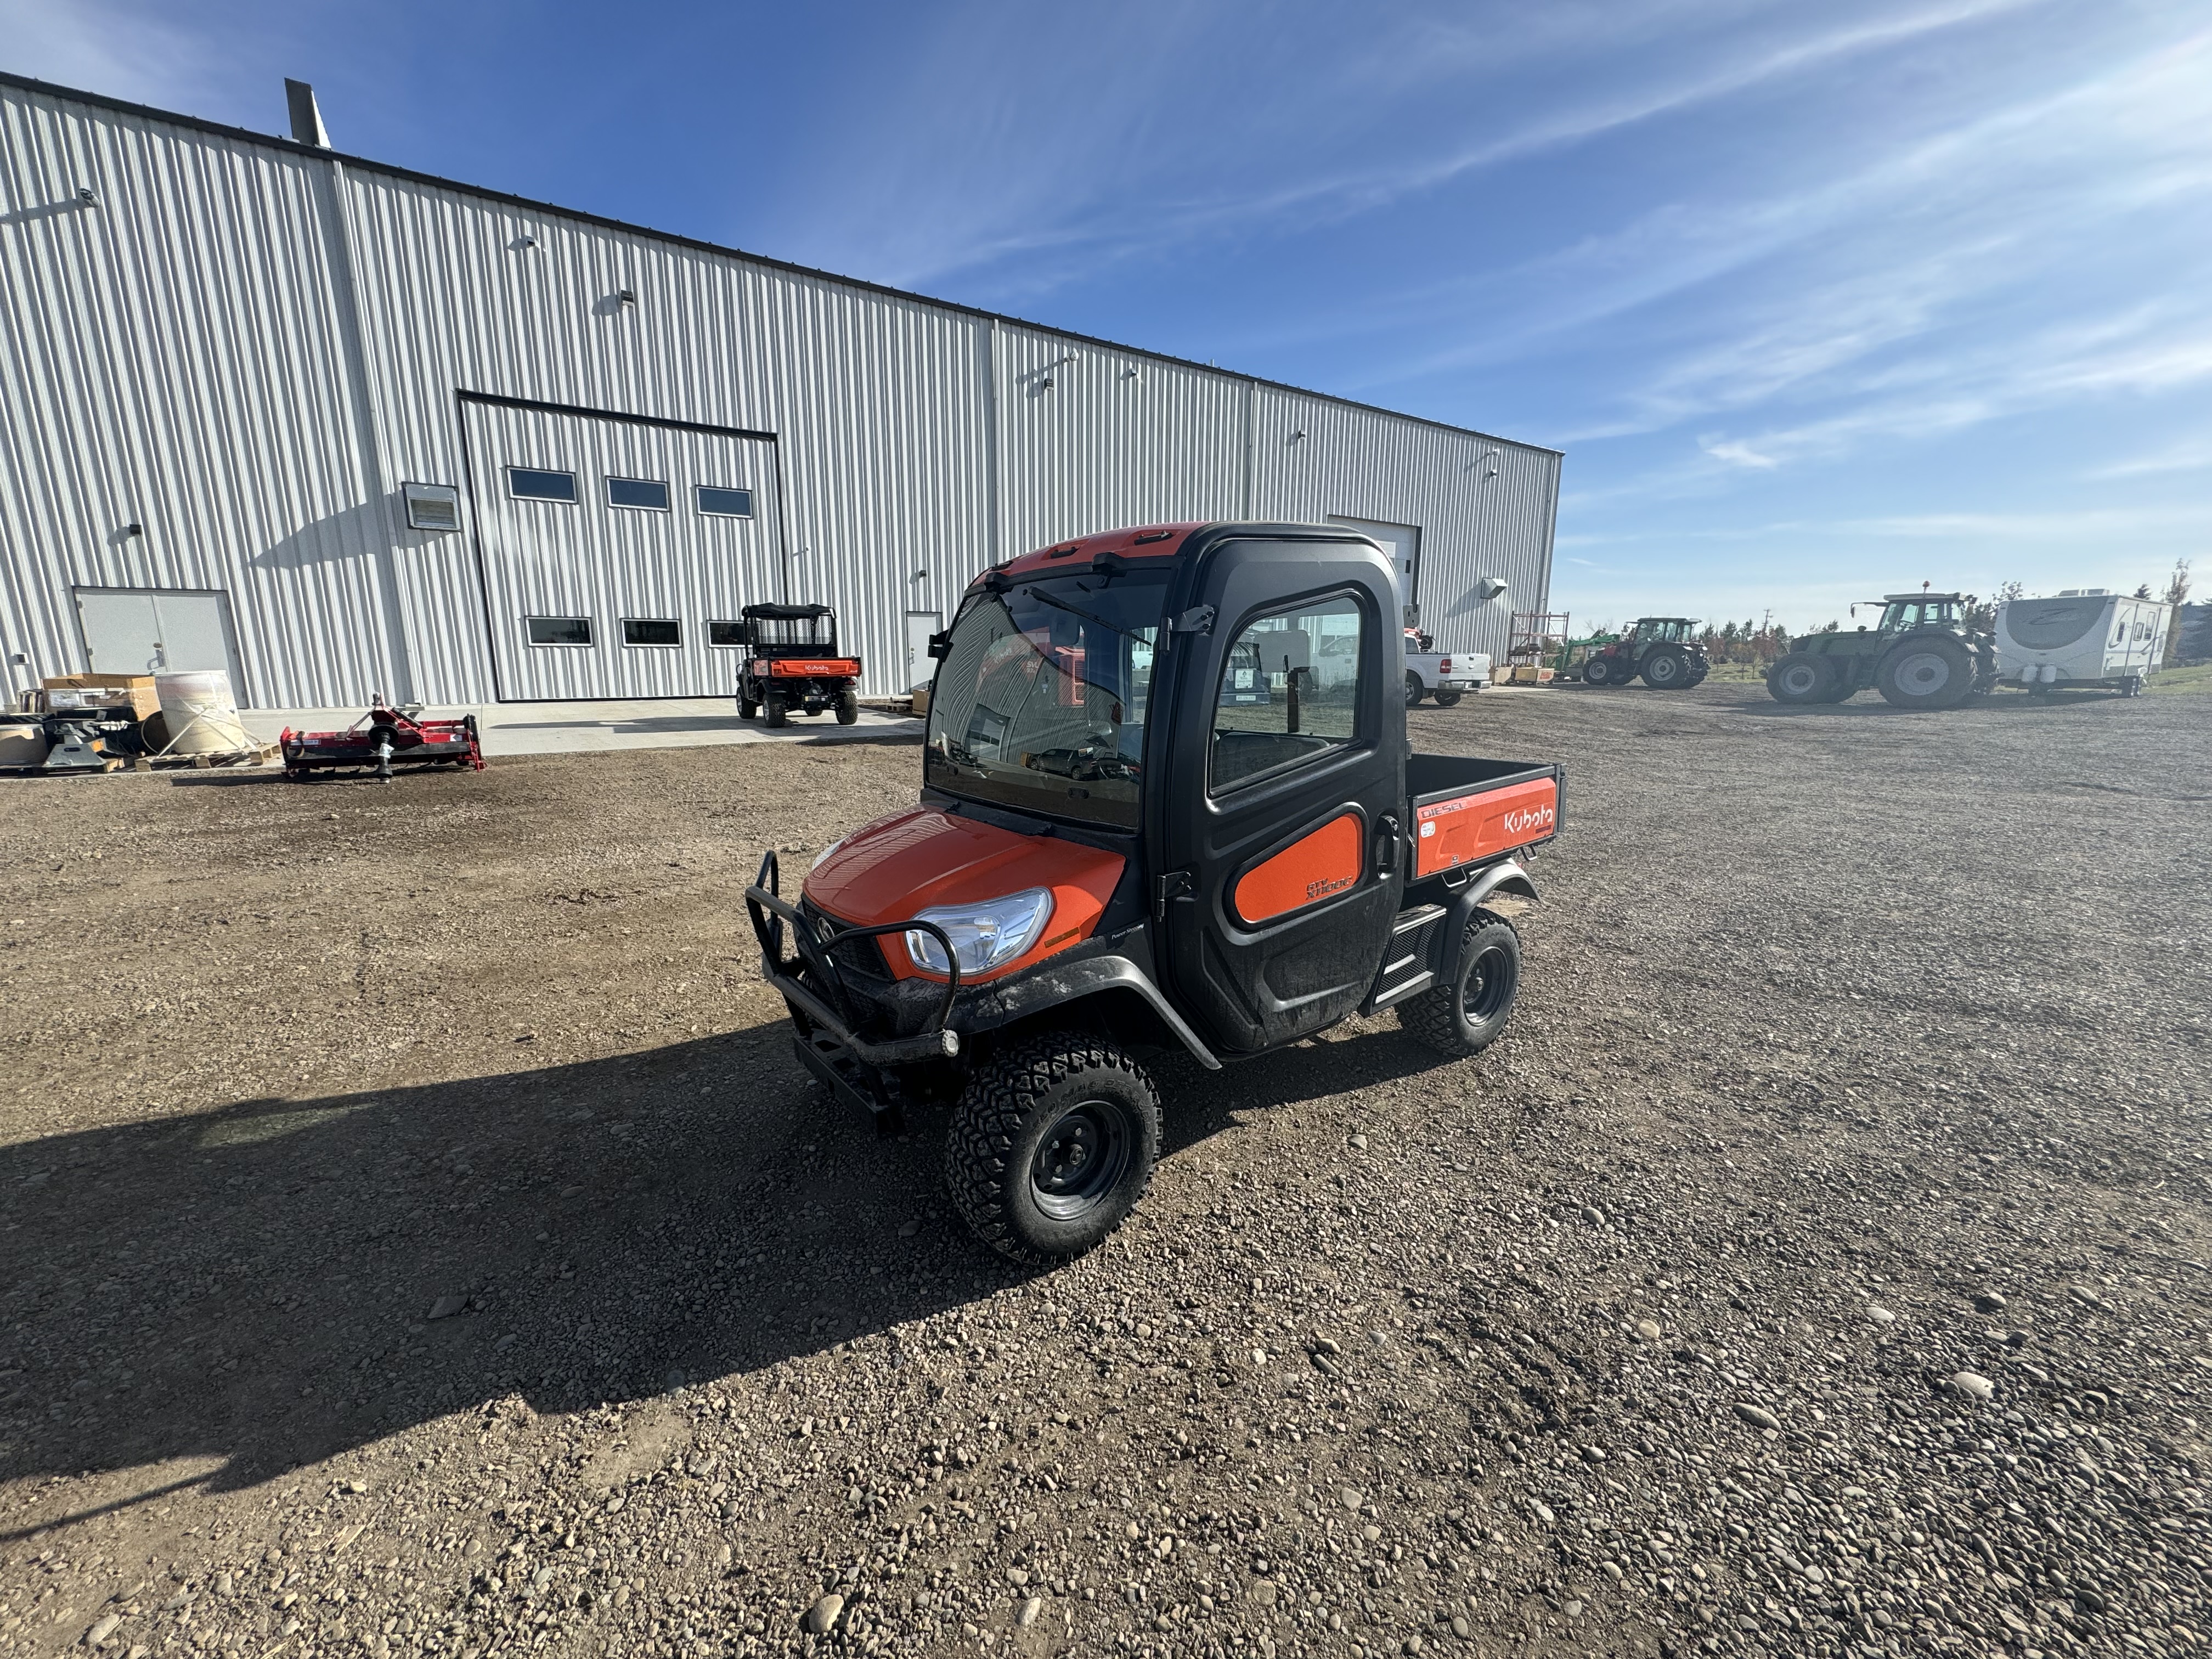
<point x="1289" y="692"/>
<point x="534" y="484"/>
<point x="647" y="494"/>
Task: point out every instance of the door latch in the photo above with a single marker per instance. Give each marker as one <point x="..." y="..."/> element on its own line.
<point x="1199" y="619"/>
<point x="1173" y="885"/>
<point x="1386" y="844"/>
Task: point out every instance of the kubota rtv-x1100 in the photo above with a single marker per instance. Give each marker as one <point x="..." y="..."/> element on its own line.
<point x="1167" y="803"/>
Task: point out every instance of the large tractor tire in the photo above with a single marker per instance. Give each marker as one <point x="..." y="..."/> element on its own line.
<point x="1467" y="1016"/>
<point x="1051" y="1145"/>
<point x="1932" y="671"/>
<point x="1667" y="670"/>
<point x="1801" y="677"/>
<point x="1602" y="671"/>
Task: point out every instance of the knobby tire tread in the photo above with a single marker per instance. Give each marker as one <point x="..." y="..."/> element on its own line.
<point x="990" y="1113"/>
<point x="1429" y="1018"/>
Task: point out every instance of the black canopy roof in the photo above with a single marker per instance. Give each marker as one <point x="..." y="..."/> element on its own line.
<point x="786" y="612"/>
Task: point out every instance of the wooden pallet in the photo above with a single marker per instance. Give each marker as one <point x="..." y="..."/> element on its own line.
<point x="259" y="754"/>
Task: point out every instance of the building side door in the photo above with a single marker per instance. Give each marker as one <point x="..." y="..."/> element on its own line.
<point x="158" y="630"/>
<point x="1402" y="542"/>
<point x="919" y="626"/>
<point x="617" y="555"/>
<point x="1272" y="812"/>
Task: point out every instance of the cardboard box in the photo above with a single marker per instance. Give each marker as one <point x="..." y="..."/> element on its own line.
<point x="132" y="691"/>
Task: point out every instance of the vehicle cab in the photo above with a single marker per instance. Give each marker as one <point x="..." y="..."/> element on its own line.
<point x="1167" y="804"/>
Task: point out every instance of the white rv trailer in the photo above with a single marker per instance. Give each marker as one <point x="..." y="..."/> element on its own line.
<point x="2081" y="636"/>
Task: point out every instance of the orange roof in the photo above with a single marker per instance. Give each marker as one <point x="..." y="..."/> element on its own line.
<point x="1144" y="541"/>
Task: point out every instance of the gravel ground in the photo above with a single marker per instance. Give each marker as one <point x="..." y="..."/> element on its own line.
<point x="418" y="1238"/>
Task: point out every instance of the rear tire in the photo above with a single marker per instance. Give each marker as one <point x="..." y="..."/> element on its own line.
<point x="1802" y="678"/>
<point x="1051" y="1145"/>
<point x="1414" y="690"/>
<point x="1467" y="1016"/>
<point x="1667" y="670"/>
<point x="848" y="706"/>
<point x="747" y="706"/>
<point x="1447" y="699"/>
<point x="1928" y="673"/>
<point x="773" y="709"/>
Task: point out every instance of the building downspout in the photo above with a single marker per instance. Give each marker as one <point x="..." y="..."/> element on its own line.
<point x="330" y="203"/>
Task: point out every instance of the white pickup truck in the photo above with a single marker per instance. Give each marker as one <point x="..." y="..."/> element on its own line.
<point x="1445" y="676"/>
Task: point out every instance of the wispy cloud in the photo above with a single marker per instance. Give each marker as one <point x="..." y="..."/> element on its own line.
<point x="126" y="51"/>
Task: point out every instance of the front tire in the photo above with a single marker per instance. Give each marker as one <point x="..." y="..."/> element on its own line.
<point x="1467" y="1016"/>
<point x="1801" y="677"/>
<point x="848" y="706"/>
<point x="1928" y="673"/>
<point x="1598" y="670"/>
<point x="1051" y="1145"/>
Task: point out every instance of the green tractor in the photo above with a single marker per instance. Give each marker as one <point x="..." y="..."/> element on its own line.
<point x="1662" y="649"/>
<point x="1923" y="654"/>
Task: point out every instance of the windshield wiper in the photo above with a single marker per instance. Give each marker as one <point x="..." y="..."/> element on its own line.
<point x="1044" y="597"/>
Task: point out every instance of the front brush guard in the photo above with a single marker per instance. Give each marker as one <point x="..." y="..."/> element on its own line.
<point x="811" y="984"/>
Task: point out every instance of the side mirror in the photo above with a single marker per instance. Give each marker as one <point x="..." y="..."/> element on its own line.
<point x="940" y="645"/>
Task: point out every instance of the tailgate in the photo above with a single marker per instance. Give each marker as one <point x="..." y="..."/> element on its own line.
<point x="1489" y="809"/>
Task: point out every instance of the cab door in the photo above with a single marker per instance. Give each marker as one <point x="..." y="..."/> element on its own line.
<point x="1271" y="819"/>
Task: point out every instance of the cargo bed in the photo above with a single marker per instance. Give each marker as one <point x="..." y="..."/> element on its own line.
<point x="1464" y="811"/>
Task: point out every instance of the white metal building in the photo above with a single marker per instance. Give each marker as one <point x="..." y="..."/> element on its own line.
<point x="339" y="428"/>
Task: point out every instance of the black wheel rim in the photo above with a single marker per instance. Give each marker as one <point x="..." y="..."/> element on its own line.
<point x="1080" y="1159"/>
<point x="1489" y="985"/>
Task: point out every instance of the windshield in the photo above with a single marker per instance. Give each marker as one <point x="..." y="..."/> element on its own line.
<point x="1902" y="614"/>
<point x="1040" y="703"/>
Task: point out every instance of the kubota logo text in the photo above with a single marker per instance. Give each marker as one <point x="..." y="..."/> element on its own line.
<point x="1533" y="817"/>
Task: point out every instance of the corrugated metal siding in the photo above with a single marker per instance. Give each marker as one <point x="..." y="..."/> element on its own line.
<point x="180" y="356"/>
<point x="1358" y="463"/>
<point x="171" y="362"/>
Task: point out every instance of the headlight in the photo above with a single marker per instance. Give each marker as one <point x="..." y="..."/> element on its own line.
<point x="984" y="936"/>
<point x="823" y="857"/>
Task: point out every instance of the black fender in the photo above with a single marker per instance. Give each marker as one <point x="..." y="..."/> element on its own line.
<point x="1506" y="875"/>
<point x="1052" y="985"/>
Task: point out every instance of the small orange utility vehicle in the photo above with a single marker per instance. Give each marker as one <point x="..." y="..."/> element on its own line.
<point x="1167" y="804"/>
<point x="791" y="662"/>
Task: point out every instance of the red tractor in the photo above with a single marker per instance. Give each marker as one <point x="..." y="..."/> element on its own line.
<point x="792" y="664"/>
<point x="1662" y="649"/>
<point x="1167" y="805"/>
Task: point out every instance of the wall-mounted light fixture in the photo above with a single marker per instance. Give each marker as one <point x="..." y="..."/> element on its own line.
<point x="1046" y="384"/>
<point x="1488" y="463"/>
<point x="627" y="296"/>
<point x="1299" y="436"/>
<point x="919" y="576"/>
<point x="131" y="530"/>
<point x="87" y="195"/>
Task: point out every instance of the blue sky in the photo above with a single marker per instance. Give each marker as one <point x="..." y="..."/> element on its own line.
<point x="1820" y="300"/>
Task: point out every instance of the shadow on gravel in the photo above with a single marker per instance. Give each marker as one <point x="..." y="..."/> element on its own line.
<point x="279" y="1281"/>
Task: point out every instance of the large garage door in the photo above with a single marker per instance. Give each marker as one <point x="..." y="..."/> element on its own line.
<point x="617" y="552"/>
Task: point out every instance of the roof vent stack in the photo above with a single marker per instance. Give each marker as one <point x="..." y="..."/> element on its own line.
<point x="307" y="120"/>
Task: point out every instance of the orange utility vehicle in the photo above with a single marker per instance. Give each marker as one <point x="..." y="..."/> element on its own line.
<point x="790" y="663"/>
<point x="1167" y="804"/>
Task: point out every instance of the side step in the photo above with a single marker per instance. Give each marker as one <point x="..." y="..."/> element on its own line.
<point x="1409" y="960"/>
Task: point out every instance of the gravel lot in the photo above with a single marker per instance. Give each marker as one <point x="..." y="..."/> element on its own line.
<point x="418" y="1238"/>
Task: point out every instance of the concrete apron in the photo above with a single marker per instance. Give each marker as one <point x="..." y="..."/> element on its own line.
<point x="577" y="728"/>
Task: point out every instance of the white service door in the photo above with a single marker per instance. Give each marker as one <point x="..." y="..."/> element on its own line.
<point x="921" y="667"/>
<point x="153" y="630"/>
<point x="594" y="561"/>
<point x="1403" y="542"/>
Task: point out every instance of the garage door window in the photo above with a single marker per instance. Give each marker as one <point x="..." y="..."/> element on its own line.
<point x="719" y="502"/>
<point x="652" y="630"/>
<point x="647" y="495"/>
<point x="558" y="631"/>
<point x="531" y="484"/>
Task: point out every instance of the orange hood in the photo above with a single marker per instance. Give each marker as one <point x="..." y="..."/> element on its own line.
<point x="922" y="859"/>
